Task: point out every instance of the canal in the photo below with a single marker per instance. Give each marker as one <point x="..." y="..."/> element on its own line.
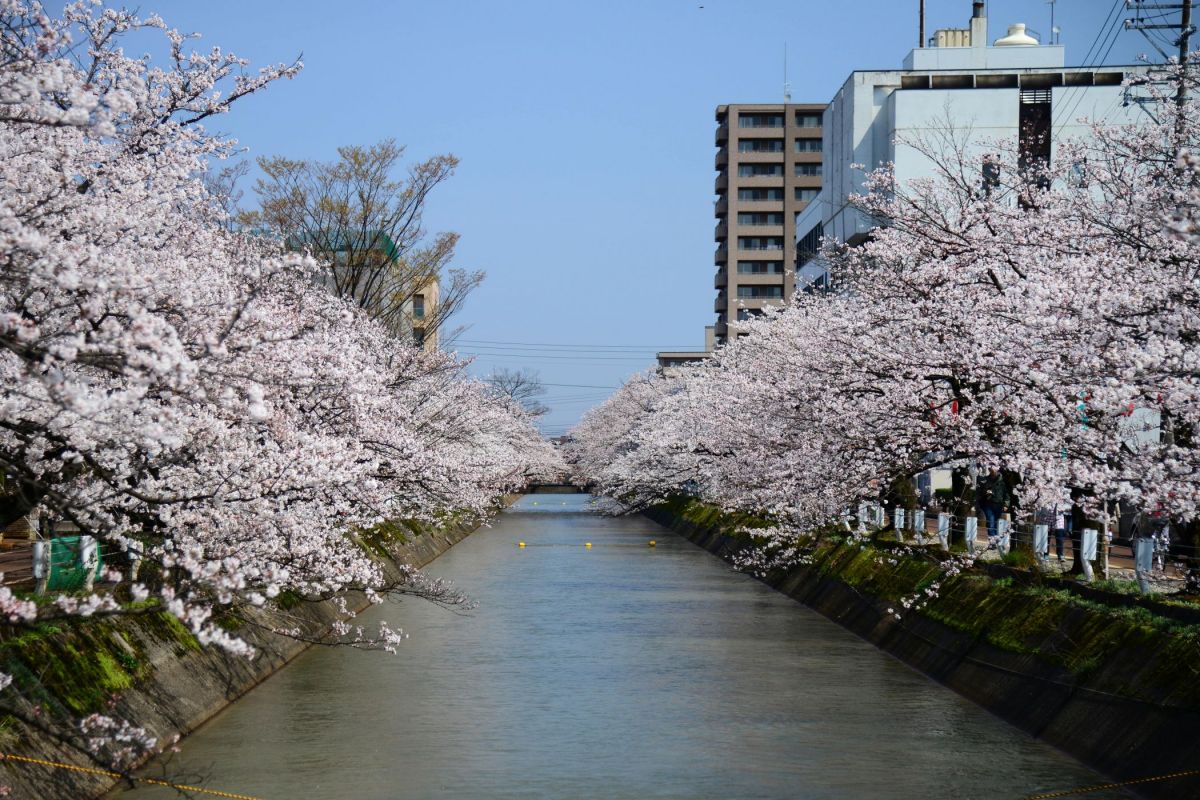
<point x="616" y="671"/>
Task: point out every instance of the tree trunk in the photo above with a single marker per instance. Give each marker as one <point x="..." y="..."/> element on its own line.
<point x="1189" y="539"/>
<point x="962" y="505"/>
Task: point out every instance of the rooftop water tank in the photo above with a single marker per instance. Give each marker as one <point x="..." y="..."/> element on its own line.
<point x="1017" y="37"/>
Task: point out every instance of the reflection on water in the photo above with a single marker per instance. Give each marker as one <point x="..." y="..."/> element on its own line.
<point x="619" y="671"/>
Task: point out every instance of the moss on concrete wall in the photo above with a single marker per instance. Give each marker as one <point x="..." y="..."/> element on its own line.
<point x="149" y="668"/>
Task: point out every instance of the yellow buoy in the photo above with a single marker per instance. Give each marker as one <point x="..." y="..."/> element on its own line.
<point x="587" y="544"/>
<point x="653" y="543"/>
<point x="520" y="544"/>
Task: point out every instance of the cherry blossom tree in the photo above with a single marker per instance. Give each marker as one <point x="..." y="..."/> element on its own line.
<point x="189" y="393"/>
<point x="1043" y="323"/>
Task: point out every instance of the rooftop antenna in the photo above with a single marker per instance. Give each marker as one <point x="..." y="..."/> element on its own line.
<point x="787" y="87"/>
<point x="1053" y="28"/>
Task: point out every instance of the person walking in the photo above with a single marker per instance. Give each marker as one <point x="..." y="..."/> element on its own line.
<point x="993" y="500"/>
<point x="1048" y="516"/>
<point x="1060" y="535"/>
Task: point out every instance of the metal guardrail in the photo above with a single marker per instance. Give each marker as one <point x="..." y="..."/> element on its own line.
<point x="1148" y="557"/>
<point x="63" y="563"/>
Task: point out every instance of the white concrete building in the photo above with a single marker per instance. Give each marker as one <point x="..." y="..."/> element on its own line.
<point x="1015" y="90"/>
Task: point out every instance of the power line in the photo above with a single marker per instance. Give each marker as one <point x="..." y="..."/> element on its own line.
<point x="513" y="348"/>
<point x="1075" y="94"/>
<point x="538" y="356"/>
<point x="595" y="398"/>
<point x="1151" y="28"/>
<point x="581" y="385"/>
<point x="559" y="345"/>
<point x="553" y="350"/>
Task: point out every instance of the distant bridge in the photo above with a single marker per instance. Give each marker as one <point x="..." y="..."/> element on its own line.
<point x="556" y="488"/>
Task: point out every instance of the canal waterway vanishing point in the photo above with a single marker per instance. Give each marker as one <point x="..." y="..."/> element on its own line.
<point x="616" y="671"/>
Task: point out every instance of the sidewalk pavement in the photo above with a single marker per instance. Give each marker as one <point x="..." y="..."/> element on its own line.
<point x="1120" y="560"/>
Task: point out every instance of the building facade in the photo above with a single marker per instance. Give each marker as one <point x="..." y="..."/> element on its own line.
<point x="366" y="267"/>
<point x="1015" y="90"/>
<point x="769" y="166"/>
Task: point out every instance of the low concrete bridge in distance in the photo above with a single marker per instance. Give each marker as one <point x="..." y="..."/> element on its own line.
<point x="556" y="488"/>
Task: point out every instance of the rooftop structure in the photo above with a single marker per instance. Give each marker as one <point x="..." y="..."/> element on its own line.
<point x="1015" y="89"/>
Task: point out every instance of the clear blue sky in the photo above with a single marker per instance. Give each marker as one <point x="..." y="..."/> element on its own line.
<point x="585" y="131"/>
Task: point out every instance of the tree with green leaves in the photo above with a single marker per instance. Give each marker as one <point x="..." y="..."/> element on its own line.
<point x="363" y="220"/>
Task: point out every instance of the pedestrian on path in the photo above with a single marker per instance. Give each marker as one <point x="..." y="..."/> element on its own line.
<point x="993" y="500"/>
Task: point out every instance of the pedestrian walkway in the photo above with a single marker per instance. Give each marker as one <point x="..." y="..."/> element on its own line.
<point x="1120" y="557"/>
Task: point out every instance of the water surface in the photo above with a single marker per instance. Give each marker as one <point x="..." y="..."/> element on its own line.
<point x="619" y="671"/>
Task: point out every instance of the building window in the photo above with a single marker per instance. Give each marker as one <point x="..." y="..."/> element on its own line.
<point x="809" y="245"/>
<point x="807" y="194"/>
<point x="760" y="292"/>
<point x="418" y="306"/>
<point x="1079" y="174"/>
<point x="808" y="170"/>
<point x="760" y="194"/>
<point x="760" y="267"/>
<point x="991" y="173"/>
<point x="744" y="314"/>
<point x="760" y="120"/>
<point x="760" y="145"/>
<point x="1034" y="136"/>
<point x="808" y="145"/>
<point x="808" y="119"/>
<point x="760" y="170"/>
<point x="760" y="218"/>
<point x="760" y="242"/>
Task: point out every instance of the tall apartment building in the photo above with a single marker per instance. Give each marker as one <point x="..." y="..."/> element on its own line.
<point x="768" y="169"/>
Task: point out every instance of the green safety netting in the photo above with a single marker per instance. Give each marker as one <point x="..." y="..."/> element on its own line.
<point x="66" y="563"/>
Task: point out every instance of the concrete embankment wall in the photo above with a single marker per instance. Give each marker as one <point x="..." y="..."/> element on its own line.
<point x="1115" y="688"/>
<point x="149" y="669"/>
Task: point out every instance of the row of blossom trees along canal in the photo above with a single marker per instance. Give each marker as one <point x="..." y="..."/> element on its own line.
<point x="1043" y="322"/>
<point x="190" y="394"/>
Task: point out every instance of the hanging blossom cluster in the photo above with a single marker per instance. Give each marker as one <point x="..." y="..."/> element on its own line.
<point x="1046" y="322"/>
<point x="189" y="394"/>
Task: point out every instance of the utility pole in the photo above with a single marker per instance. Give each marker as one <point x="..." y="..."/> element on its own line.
<point x="1144" y="24"/>
<point x="1185" y="36"/>
<point x="1141" y="23"/>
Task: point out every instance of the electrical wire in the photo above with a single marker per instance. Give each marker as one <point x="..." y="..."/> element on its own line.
<point x="1108" y="34"/>
<point x="554" y="359"/>
<point x="563" y="345"/>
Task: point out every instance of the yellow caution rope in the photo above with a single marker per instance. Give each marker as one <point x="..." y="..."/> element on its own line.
<point x="107" y="773"/>
<point x="1090" y="789"/>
